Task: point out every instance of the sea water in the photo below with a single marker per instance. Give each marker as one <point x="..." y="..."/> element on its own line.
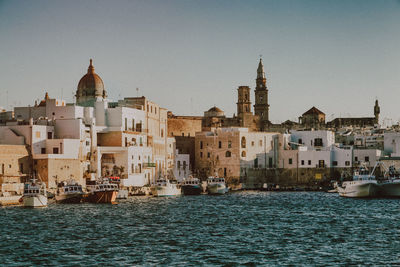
<point x="241" y="228"/>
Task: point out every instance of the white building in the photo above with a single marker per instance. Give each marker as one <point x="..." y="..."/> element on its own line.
<point x="313" y="139"/>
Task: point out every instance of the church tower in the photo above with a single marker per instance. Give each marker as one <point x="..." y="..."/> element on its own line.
<point x="261" y="107"/>
<point x="243" y="104"/>
<point x="377" y="111"/>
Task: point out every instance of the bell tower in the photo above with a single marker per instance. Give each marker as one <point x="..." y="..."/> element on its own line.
<point x="261" y="107"/>
<point x="243" y="104"/>
<point x="377" y="111"/>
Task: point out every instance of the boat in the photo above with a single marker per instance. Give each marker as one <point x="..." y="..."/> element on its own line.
<point x="191" y="186"/>
<point x="101" y="191"/>
<point x="363" y="184"/>
<point x="165" y="187"/>
<point x="35" y="194"/>
<point x="69" y="192"/>
<point x="216" y="185"/>
<point x="390" y="185"/>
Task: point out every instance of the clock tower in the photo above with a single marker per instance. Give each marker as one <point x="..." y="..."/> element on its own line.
<point x="261" y="107"/>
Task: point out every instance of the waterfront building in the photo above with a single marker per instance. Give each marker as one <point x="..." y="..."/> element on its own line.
<point x="181" y="166"/>
<point x="230" y="152"/>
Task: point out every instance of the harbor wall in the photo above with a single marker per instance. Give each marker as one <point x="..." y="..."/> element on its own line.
<point x="302" y="177"/>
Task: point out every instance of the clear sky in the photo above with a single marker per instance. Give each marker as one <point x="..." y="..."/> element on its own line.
<point x="190" y="55"/>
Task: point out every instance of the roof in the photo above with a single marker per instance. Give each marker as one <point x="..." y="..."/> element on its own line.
<point x="215" y="109"/>
<point x="313" y="111"/>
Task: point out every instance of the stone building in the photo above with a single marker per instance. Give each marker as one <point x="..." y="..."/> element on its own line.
<point x="357" y="121"/>
<point x="312" y="118"/>
<point x="230" y="152"/>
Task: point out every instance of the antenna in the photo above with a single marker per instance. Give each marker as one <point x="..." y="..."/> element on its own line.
<point x="137" y="91"/>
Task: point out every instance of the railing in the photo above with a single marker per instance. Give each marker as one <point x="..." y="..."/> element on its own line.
<point x="149" y="165"/>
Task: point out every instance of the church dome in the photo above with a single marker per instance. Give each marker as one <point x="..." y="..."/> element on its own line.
<point x="214" y="112"/>
<point x="91" y="84"/>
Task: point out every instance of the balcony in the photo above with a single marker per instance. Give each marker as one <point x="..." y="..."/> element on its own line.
<point x="149" y="165"/>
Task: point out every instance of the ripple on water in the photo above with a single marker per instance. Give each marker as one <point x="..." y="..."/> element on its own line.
<point x="244" y="228"/>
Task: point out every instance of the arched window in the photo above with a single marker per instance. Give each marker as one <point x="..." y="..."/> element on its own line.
<point x="228" y="154"/>
<point x="243" y="142"/>
<point x="243" y="154"/>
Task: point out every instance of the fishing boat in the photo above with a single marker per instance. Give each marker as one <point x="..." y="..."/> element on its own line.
<point x="216" y="185"/>
<point x="69" y="192"/>
<point x="390" y="185"/>
<point x="35" y="194"/>
<point x="165" y="187"/>
<point x="102" y="191"/>
<point x="191" y="186"/>
<point x="363" y="184"/>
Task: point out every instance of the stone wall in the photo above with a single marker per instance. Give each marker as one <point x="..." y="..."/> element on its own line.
<point x="307" y="177"/>
<point x="53" y="171"/>
<point x="14" y="163"/>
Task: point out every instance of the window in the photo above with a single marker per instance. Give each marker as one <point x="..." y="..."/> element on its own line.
<point x="87" y="143"/>
<point x="201" y="154"/>
<point x="334" y="163"/>
<point x="228" y="154"/>
<point x="300" y="141"/>
<point x="243" y="142"/>
<point x="179" y="164"/>
<point x="302" y="162"/>
<point x="256" y="163"/>
<point x="126" y="124"/>
<point x="290" y="161"/>
<point x="309" y="162"/>
<point x="219" y="144"/>
<point x="366" y="159"/>
<point x="355" y="158"/>
<point x="43" y="150"/>
<point x="162" y="132"/>
<point x="229" y="144"/>
<point x="55" y="150"/>
<point x="208" y="154"/>
<point x="201" y="144"/>
<point x="243" y="154"/>
<point x="260" y="142"/>
<point x="318" y="142"/>
<point x="133" y="124"/>
<point x="252" y="143"/>
<point x="347" y="163"/>
<point x="321" y="163"/>
<point x="49" y="135"/>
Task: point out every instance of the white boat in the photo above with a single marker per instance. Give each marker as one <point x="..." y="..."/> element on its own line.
<point x="164" y="187"/>
<point x="35" y="194"/>
<point x="216" y="186"/>
<point x="363" y="184"/>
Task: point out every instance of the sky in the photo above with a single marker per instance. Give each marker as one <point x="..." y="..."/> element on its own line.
<point x="188" y="56"/>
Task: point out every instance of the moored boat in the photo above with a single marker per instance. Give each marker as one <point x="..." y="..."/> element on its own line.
<point x="216" y="186"/>
<point x="35" y="194"/>
<point x="191" y="186"/>
<point x="165" y="187"/>
<point x="102" y="191"/>
<point x="69" y="192"/>
<point x="390" y="185"/>
<point x="363" y="184"/>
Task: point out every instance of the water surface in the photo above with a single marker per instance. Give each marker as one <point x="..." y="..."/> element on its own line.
<point x="243" y="228"/>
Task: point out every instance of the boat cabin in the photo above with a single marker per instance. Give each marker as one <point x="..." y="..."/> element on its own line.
<point x="212" y="180"/>
<point x="191" y="181"/>
<point x="34" y="190"/>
